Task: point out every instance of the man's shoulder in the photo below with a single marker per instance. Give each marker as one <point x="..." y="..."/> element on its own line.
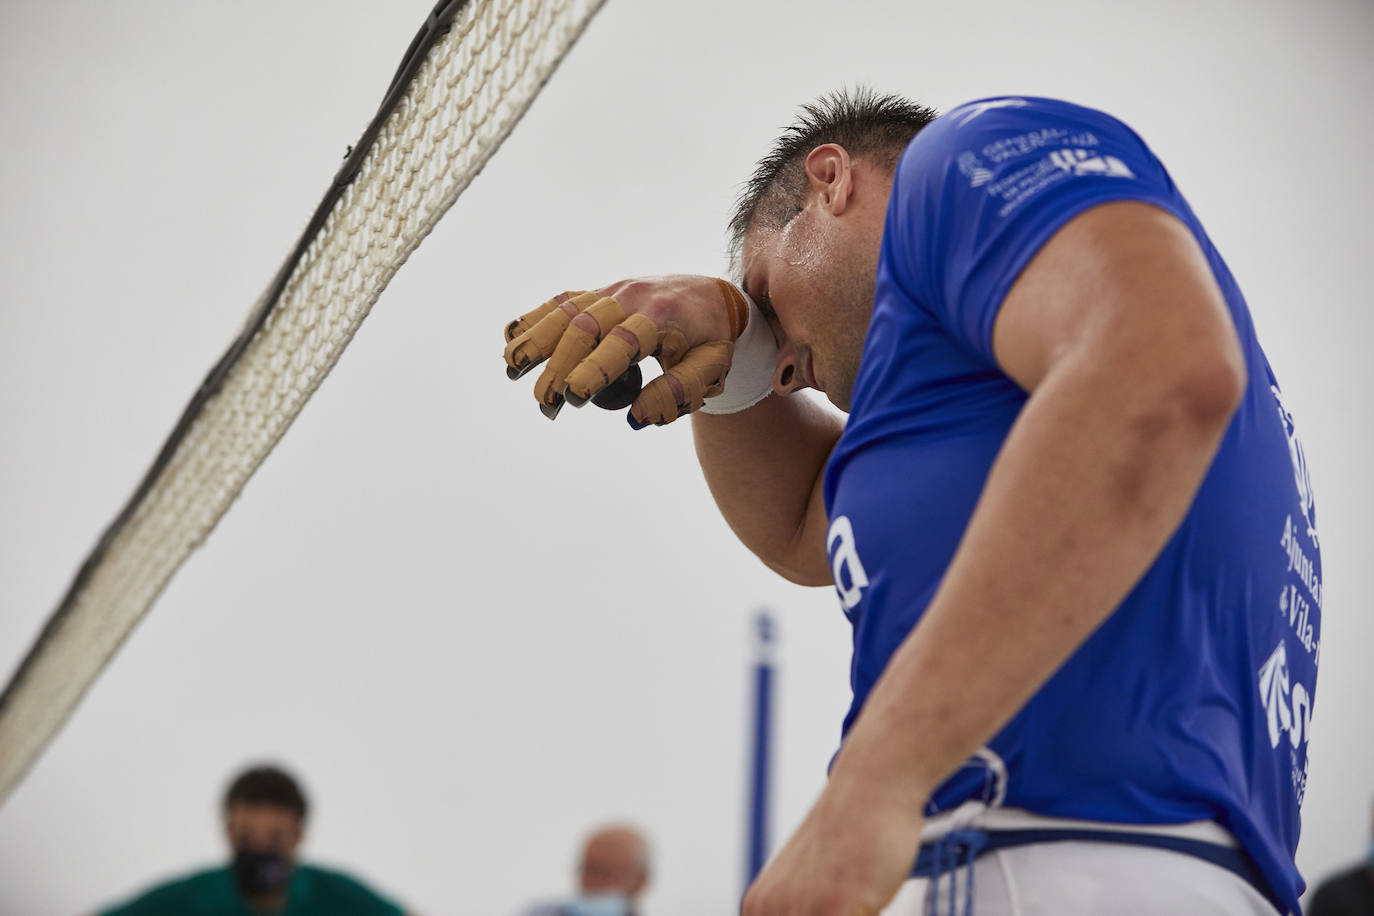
<point x="992" y="130"/>
<point x="178" y="894"/>
<point x="339" y="888"/>
<point x="205" y="877"/>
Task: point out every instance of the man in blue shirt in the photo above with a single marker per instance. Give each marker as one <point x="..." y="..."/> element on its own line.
<point x="1069" y="517"/>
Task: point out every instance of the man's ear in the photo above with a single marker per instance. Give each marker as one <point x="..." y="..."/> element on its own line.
<point x="830" y="175"/>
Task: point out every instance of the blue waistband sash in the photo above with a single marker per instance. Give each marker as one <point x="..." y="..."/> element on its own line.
<point x="941" y="856"/>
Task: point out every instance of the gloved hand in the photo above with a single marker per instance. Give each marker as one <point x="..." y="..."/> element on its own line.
<point x="591" y="339"/>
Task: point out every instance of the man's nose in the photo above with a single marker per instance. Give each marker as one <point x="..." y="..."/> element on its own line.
<point x="787" y="372"/>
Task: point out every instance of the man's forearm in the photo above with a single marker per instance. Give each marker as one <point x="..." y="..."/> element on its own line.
<point x="764" y="467"/>
<point x="1095" y="476"/>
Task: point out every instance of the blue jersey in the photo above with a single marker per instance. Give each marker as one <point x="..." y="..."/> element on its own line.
<point x="1193" y="700"/>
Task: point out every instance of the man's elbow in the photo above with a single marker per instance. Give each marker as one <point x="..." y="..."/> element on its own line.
<point x="798" y="566"/>
<point x="1210" y="381"/>
<point x="1173" y="397"/>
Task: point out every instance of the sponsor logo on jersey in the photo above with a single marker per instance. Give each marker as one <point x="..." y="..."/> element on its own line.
<point x="848" y="570"/>
<point x="1285" y="696"/>
<point x="1088" y="162"/>
<point x="1287" y="704"/>
<point x="1288" y="710"/>
<point x="1306" y="499"/>
<point x="973" y="169"/>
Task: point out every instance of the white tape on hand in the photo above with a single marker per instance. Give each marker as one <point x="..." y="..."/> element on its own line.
<point x="750" y="378"/>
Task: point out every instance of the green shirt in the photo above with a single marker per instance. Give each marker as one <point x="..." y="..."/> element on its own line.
<point x="313" y="892"/>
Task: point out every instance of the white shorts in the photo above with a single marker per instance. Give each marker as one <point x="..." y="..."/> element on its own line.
<point x="1078" y="878"/>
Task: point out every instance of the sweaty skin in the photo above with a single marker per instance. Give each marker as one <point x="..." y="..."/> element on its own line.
<point x="1119" y="333"/>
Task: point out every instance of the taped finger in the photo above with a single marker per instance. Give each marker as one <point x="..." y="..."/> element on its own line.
<point x="682" y="389"/>
<point x="672" y="346"/>
<point x="623" y="346"/>
<point x="584" y="332"/>
<point x="531" y="347"/>
<point x="532" y="317"/>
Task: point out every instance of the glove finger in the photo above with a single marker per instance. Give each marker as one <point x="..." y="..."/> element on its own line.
<point x="530" y="348"/>
<point x="583" y="333"/>
<point x="623" y="346"/>
<point x="532" y="317"/>
<point x="672" y="347"/>
<point x="682" y="389"/>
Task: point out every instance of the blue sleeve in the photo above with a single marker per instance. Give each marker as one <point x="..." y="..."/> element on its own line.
<point x="980" y="189"/>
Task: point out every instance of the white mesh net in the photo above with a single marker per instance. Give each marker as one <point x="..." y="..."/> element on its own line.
<point x="469" y="92"/>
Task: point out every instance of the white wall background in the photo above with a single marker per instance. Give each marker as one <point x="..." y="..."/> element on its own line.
<point x="398" y="606"/>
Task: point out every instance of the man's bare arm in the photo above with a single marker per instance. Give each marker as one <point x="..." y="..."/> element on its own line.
<point x="765" y="467"/>
<point x="1120" y="333"/>
<point x="764" y="464"/>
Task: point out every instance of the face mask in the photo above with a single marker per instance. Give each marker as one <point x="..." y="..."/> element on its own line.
<point x="258" y="873"/>
<point x="599" y="905"/>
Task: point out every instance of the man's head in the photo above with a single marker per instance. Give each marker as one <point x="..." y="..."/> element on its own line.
<point x="264" y="812"/>
<point x="806" y="232"/>
<point x="615" y="860"/>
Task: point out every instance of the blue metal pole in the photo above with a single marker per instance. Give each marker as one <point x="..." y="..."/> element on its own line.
<point x="764" y="639"/>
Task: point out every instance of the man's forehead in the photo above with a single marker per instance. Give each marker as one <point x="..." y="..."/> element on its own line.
<point x="756" y="249"/>
<point x="240" y="812"/>
<point x="614" y="844"/>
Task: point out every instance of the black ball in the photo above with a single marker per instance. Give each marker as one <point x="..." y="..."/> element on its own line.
<point x="620" y="393"/>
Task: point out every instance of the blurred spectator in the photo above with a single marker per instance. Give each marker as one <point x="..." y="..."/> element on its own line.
<point x="264" y="821"/>
<point x="613" y="872"/>
<point x="1349" y="893"/>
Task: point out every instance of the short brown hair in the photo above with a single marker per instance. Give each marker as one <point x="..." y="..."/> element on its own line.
<point x="266" y="785"/>
<point x="867" y="124"/>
